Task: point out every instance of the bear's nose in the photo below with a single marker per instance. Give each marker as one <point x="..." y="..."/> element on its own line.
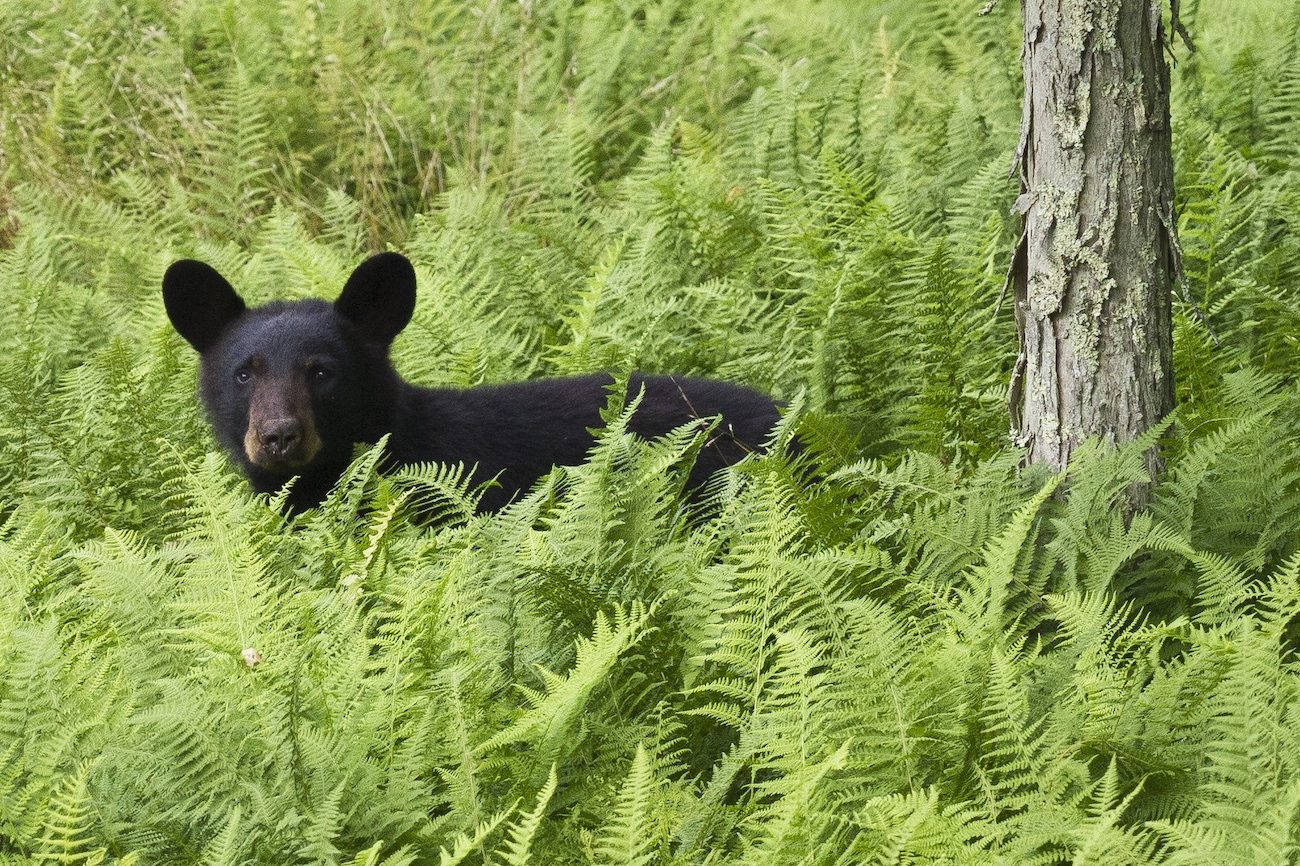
<point x="281" y="436"/>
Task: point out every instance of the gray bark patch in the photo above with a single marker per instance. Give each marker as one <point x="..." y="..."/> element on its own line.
<point x="1093" y="276"/>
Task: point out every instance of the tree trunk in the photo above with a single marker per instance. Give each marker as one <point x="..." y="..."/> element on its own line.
<point x="1095" y="265"/>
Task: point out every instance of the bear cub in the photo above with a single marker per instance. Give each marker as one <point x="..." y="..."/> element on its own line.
<point x="291" y="387"/>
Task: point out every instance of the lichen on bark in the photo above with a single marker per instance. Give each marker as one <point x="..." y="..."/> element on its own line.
<point x="1096" y="261"/>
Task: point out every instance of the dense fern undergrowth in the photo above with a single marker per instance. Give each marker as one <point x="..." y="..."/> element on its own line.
<point x="905" y="650"/>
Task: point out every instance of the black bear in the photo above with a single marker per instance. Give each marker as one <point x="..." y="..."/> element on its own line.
<point x="290" y="387"/>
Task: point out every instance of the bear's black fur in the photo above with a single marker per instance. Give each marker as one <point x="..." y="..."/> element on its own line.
<point x="290" y="387"/>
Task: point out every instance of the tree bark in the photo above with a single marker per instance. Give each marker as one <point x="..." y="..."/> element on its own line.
<point x="1094" y="269"/>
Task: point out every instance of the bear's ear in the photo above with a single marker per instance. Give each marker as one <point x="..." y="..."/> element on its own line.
<point x="379" y="297"/>
<point x="199" y="302"/>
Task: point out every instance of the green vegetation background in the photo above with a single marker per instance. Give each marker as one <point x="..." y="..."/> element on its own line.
<point x="919" y="657"/>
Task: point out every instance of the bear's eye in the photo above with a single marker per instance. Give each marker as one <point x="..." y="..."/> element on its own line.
<point x="318" y="373"/>
<point x="243" y="377"/>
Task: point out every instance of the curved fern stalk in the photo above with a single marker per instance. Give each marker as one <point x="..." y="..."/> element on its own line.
<point x="675" y="450"/>
<point x="343" y="229"/>
<point x="1251" y="781"/>
<point x="1279" y="597"/>
<point x="786" y="715"/>
<point x="776" y="593"/>
<point x="1094" y="632"/>
<point x="550" y="723"/>
<point x="465" y="787"/>
<point x="344" y="502"/>
<point x="788" y="831"/>
<point x="51" y="712"/>
<point x="1010" y="769"/>
<point x="916" y="478"/>
<point x="68" y="835"/>
<point x="30" y="538"/>
<point x="879" y="699"/>
<point x="1102" y="838"/>
<point x="775" y="464"/>
<point x="1236" y="828"/>
<point x="475" y="607"/>
<point x="943" y="537"/>
<point x="581" y="318"/>
<point x="611" y="537"/>
<point x="779" y="646"/>
<point x="438" y="493"/>
<point x="292" y="263"/>
<point x="219" y="600"/>
<point x="785" y="732"/>
<point x="988" y="606"/>
<point x="630" y="837"/>
<point x="898" y="819"/>
<point x="231" y="183"/>
<point x="623" y="505"/>
<point x="1094" y="557"/>
<point x="955" y="398"/>
<point x="517" y="850"/>
<point x="372" y="857"/>
<point x="229" y="846"/>
<point x="130" y="582"/>
<point x="906" y="829"/>
<point x="1093" y="537"/>
<point x="1177" y="495"/>
<point x="1215" y="228"/>
<point x="323" y="825"/>
<point x="1280" y="114"/>
<point x="596" y="494"/>
<point x="157" y="211"/>
<point x="361" y="572"/>
<point x="1237" y="490"/>
<point x="1223" y="589"/>
<point x="978" y="227"/>
<point x="1029" y="766"/>
<point x="466" y="844"/>
<point x="20" y="815"/>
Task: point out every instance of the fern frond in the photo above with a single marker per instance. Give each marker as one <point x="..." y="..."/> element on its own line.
<point x="631" y="837"/>
<point x="554" y="716"/>
<point x="227" y="848"/>
<point x="517" y="850"/>
<point x="67" y="836"/>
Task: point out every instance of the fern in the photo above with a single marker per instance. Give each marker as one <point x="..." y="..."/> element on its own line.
<point x="517" y="850"/>
<point x="630" y="837"/>
<point x="554" y="714"/>
<point x="67" y="834"/>
<point x="230" y="187"/>
<point x="224" y="848"/>
<point x="889" y="645"/>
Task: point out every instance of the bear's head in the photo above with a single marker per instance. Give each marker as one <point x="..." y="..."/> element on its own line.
<point x="290" y="386"/>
